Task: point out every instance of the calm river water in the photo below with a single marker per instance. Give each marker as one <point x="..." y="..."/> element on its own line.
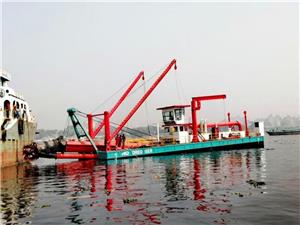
<point x="201" y="188"/>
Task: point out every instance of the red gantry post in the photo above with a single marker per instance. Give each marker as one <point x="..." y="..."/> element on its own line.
<point x="246" y="124"/>
<point x="90" y="124"/>
<point x="228" y="116"/>
<point x="196" y="105"/>
<point x="107" y="130"/>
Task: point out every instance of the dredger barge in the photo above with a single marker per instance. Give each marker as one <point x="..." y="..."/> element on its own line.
<point x="179" y="136"/>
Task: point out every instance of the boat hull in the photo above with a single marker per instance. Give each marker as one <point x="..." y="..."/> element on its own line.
<point x="274" y="133"/>
<point x="248" y="142"/>
<point x="11" y="150"/>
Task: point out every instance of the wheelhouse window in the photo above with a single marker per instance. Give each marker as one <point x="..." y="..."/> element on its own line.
<point x="178" y="114"/>
<point x="168" y="116"/>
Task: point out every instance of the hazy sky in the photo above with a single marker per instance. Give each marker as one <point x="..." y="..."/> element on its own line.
<point x="79" y="54"/>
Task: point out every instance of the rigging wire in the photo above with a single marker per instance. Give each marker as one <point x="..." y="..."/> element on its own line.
<point x="177" y="87"/>
<point x="110" y="97"/>
<point x="181" y="89"/>
<point x="148" y="80"/>
<point x="116" y="92"/>
<point x="144" y="85"/>
<point x="116" y="124"/>
<point x="133" y="132"/>
<point x="146" y="110"/>
<point x="82" y="114"/>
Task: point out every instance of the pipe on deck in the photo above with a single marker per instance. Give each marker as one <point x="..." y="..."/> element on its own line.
<point x="226" y="124"/>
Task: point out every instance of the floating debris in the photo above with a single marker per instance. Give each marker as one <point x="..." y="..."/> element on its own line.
<point x="129" y="200"/>
<point x="220" y="221"/>
<point x="256" y="183"/>
<point x="239" y="194"/>
<point x="46" y="206"/>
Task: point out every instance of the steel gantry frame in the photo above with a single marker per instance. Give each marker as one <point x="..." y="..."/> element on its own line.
<point x="196" y="105"/>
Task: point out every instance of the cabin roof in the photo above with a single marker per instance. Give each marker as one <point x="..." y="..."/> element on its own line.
<point x="173" y="107"/>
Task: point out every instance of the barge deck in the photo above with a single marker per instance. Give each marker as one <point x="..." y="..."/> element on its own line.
<point x="228" y="144"/>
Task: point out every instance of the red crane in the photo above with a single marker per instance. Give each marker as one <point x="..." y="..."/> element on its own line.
<point x="196" y="105"/>
<point x="108" y="136"/>
<point x="93" y="133"/>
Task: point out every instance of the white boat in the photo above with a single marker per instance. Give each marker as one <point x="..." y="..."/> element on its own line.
<point x="17" y="124"/>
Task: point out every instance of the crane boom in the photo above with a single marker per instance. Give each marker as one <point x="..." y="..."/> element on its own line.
<point x="140" y="102"/>
<point x="92" y="133"/>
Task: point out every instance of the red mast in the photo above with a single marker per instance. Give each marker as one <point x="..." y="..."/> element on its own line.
<point x="137" y="106"/>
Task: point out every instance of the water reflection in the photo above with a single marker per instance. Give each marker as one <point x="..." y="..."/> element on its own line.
<point x="140" y="191"/>
<point x="18" y="193"/>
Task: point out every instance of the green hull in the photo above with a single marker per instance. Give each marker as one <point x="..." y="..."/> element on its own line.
<point x="248" y="142"/>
